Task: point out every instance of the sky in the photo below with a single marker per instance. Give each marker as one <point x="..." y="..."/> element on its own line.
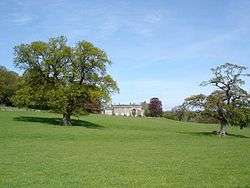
<point x="159" y="48"/>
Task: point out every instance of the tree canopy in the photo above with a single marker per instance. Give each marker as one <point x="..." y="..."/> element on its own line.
<point x="61" y="77"/>
<point x="155" y="107"/>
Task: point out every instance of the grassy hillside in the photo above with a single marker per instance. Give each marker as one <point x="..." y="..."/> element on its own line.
<point x="106" y="151"/>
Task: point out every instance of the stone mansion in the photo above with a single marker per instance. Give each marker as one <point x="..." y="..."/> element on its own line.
<point x="124" y="110"/>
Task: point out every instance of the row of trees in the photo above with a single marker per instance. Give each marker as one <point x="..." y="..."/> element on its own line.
<point x="60" y="77"/>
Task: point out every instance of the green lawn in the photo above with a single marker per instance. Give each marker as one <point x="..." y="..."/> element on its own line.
<point x="106" y="151"/>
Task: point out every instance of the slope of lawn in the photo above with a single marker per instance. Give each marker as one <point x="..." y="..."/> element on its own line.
<point x="103" y="151"/>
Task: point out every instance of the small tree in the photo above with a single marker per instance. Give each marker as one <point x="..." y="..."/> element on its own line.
<point x="180" y="112"/>
<point x="134" y="112"/>
<point x="145" y="108"/>
<point x="229" y="104"/>
<point x="61" y="77"/>
<point x="155" y="107"/>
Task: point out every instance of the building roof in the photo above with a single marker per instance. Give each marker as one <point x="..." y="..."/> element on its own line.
<point x="126" y="105"/>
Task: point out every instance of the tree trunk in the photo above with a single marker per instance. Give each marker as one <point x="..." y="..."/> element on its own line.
<point x="223" y="129"/>
<point x="66" y="119"/>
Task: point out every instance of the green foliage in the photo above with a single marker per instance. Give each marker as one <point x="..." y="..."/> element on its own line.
<point x="145" y="108"/>
<point x="239" y="116"/>
<point x="184" y="114"/>
<point x="180" y="112"/>
<point x="28" y="98"/>
<point x="72" y="97"/>
<point x="111" y="151"/>
<point x="61" y="77"/>
<point x="8" y="85"/>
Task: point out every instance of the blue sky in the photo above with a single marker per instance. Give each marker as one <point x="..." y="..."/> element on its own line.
<point x="159" y="48"/>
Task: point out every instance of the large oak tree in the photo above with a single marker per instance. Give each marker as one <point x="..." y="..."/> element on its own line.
<point x="61" y="77"/>
<point x="229" y="102"/>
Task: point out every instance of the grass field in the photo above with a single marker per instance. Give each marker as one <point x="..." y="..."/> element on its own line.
<point x="103" y="151"/>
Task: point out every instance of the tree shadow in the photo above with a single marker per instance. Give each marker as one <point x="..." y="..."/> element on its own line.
<point x="213" y="133"/>
<point x="57" y="121"/>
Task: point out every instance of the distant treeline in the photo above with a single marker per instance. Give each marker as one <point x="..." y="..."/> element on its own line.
<point x="189" y="116"/>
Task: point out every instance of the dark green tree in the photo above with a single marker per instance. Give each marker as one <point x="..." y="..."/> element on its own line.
<point x="8" y="85"/>
<point x="61" y="77"/>
<point x="229" y="103"/>
<point x="181" y="113"/>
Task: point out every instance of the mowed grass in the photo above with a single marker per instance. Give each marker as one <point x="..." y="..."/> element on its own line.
<point x="103" y="151"/>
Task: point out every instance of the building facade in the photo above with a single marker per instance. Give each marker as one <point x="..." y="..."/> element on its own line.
<point x="124" y="110"/>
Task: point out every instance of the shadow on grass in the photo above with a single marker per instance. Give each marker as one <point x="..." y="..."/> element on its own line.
<point x="213" y="133"/>
<point x="58" y="121"/>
